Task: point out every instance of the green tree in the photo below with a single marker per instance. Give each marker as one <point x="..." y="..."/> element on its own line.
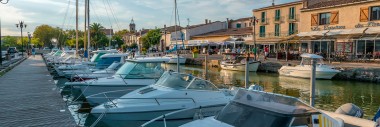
<point x="9" y="41"/>
<point x="152" y="38"/>
<point x="36" y="42"/>
<point x="97" y="35"/>
<point x="45" y="33"/>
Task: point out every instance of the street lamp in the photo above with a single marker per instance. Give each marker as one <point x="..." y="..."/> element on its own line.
<point x="1" y="1"/>
<point x="21" y="25"/>
<point x="29" y="46"/>
<point x="1" y="42"/>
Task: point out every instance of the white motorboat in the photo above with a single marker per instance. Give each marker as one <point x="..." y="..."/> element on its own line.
<point x="108" y="72"/>
<point x="261" y="109"/>
<point x="134" y="74"/>
<point x="173" y="59"/>
<point x="104" y="62"/>
<point x="172" y="92"/>
<point x="236" y="62"/>
<point x="303" y="70"/>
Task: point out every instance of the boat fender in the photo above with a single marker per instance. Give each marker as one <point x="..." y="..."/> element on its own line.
<point x="351" y="110"/>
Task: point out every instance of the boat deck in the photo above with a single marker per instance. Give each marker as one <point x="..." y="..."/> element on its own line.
<point x="29" y="97"/>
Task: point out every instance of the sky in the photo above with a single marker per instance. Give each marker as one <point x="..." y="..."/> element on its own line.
<point x="118" y="13"/>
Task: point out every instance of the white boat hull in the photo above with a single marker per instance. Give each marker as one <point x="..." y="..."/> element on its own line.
<point x="134" y="119"/>
<point x="321" y="73"/>
<point x="96" y="94"/>
<point x="174" y="60"/>
<point x="240" y="67"/>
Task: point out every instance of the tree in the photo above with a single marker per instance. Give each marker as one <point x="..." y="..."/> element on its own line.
<point x="36" y="42"/>
<point x="45" y="33"/>
<point x="9" y="41"/>
<point x="153" y="37"/>
<point x="97" y="35"/>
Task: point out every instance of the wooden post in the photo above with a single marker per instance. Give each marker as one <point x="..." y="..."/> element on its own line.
<point x="247" y="72"/>
<point x="312" y="82"/>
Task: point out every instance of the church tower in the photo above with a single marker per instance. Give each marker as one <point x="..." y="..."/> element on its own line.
<point x="132" y="26"/>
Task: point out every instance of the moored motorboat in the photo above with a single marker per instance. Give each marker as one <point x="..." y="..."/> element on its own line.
<point x="134" y="74"/>
<point x="173" y="91"/>
<point x="303" y="70"/>
<point x="173" y="59"/>
<point x="236" y="62"/>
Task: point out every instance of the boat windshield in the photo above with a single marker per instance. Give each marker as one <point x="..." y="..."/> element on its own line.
<point x="307" y="61"/>
<point x="246" y="116"/>
<point x="135" y="70"/>
<point x="184" y="81"/>
<point x="114" y="65"/>
<point x="106" y="61"/>
<point x="94" y="57"/>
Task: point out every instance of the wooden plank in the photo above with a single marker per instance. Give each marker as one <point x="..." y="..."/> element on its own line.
<point x="29" y="97"/>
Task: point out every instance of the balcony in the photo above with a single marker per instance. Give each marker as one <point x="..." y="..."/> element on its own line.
<point x="278" y="19"/>
<point x="293" y="18"/>
<point x="281" y="34"/>
<point x="264" y="21"/>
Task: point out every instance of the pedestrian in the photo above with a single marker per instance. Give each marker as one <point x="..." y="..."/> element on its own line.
<point x="33" y="52"/>
<point x="266" y="52"/>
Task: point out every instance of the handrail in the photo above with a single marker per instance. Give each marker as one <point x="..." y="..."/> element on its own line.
<point x="155" y="99"/>
<point x="171" y="113"/>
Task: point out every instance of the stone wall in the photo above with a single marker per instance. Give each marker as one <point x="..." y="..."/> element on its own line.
<point x="359" y="74"/>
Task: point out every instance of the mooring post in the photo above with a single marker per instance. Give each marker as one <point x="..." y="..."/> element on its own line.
<point x="247" y="72"/>
<point x="206" y="68"/>
<point x="312" y="82"/>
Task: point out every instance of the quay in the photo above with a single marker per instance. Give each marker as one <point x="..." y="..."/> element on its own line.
<point x="29" y="97"/>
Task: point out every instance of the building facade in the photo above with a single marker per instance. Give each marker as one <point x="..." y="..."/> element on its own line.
<point x="341" y="27"/>
<point x="276" y="24"/>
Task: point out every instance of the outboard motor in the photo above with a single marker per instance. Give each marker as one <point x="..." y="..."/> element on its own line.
<point x="350" y="110"/>
<point x="256" y="87"/>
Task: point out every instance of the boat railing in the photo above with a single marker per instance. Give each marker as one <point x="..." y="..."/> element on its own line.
<point x="156" y="100"/>
<point x="197" y="115"/>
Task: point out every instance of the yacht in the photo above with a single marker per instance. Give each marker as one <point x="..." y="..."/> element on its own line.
<point x="252" y="108"/>
<point x="134" y="74"/>
<point x="303" y="70"/>
<point x="173" y="91"/>
<point x="236" y="62"/>
<point x="109" y="71"/>
<point x="104" y="62"/>
<point x="173" y="59"/>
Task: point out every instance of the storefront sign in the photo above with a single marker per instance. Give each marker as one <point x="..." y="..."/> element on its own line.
<point x="327" y="27"/>
<point x="369" y="24"/>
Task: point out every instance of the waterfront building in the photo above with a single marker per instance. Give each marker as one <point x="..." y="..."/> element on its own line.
<point x="276" y="25"/>
<point x="348" y="28"/>
<point x="240" y="23"/>
<point x="183" y="36"/>
<point x="166" y="36"/>
<point x="131" y="36"/>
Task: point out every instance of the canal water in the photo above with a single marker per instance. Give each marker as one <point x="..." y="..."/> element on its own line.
<point x="330" y="94"/>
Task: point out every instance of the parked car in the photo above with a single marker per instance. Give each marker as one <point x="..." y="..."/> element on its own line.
<point x="12" y="50"/>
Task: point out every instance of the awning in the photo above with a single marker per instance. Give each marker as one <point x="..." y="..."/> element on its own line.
<point x="373" y="30"/>
<point x="312" y="33"/>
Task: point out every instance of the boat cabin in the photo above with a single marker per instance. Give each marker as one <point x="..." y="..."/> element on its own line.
<point x="306" y="59"/>
<point x="142" y="68"/>
<point x="232" y="58"/>
<point x="262" y="109"/>
<point x="180" y="81"/>
<point x="107" y="59"/>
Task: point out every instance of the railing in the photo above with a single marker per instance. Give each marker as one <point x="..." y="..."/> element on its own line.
<point x="264" y="21"/>
<point x="163" y="117"/>
<point x="293" y="18"/>
<point x="278" y="34"/>
<point x="278" y="19"/>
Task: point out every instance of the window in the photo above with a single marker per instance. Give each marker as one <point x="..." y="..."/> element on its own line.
<point x="277" y="30"/>
<point x="324" y="18"/>
<point x="262" y="31"/>
<point x="278" y="15"/>
<point x="263" y="16"/>
<point x="245" y="24"/>
<point x="375" y="13"/>
<point x="292" y="28"/>
<point x="292" y="13"/>
<point x="238" y="25"/>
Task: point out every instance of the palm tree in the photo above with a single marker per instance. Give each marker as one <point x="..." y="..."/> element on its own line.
<point x="96" y="33"/>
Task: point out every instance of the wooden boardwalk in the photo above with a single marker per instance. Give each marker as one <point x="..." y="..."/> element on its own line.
<point x="28" y="97"/>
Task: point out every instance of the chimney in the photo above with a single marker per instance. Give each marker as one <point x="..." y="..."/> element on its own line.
<point x="209" y="21"/>
<point x="206" y="21"/>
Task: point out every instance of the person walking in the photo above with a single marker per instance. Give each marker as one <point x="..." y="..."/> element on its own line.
<point x="266" y="52"/>
<point x="33" y="52"/>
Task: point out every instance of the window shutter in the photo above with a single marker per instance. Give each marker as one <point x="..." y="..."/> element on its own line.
<point x="334" y="18"/>
<point x="314" y="19"/>
<point x="364" y="14"/>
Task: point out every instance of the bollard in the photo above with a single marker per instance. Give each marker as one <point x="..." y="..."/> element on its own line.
<point x="312" y="82"/>
<point x="247" y="72"/>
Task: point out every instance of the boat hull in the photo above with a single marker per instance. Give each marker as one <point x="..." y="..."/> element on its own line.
<point x="174" y="61"/>
<point x="240" y="67"/>
<point x="306" y="73"/>
<point x="98" y="94"/>
<point x="135" y="119"/>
